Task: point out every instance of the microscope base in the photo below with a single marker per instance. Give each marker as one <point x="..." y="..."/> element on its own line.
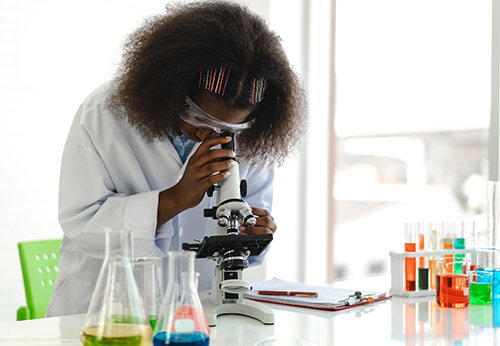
<point x="249" y="308"/>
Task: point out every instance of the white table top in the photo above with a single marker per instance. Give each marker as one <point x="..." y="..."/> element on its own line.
<point x="397" y="321"/>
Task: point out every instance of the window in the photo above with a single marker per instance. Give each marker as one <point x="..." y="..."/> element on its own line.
<point x="412" y="118"/>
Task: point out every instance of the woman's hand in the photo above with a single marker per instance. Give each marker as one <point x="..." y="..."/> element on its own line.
<point x="204" y="169"/>
<point x="265" y="223"/>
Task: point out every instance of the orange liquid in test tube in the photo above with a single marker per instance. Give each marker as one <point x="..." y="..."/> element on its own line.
<point x="410" y="268"/>
<point x="432" y="260"/>
<point x="410" y="240"/>
<point x="432" y="269"/>
<point x="421" y="247"/>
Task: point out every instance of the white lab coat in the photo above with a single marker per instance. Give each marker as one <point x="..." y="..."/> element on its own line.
<point x="111" y="177"/>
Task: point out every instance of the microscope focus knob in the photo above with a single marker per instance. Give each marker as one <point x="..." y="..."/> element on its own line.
<point x="223" y="217"/>
<point x="210" y="191"/>
<point x="250" y="221"/>
<point x="223" y="221"/>
<point x="247" y="217"/>
<point x="210" y="212"/>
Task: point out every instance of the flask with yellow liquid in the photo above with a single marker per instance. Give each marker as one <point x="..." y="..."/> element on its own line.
<point x="116" y="315"/>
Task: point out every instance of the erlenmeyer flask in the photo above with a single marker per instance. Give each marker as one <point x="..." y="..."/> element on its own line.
<point x="182" y="319"/>
<point x="116" y="314"/>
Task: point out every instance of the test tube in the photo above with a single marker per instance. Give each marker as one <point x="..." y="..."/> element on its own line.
<point x="410" y="262"/>
<point x="423" y="262"/>
<point x="470" y="240"/>
<point x="448" y="242"/>
<point x="459" y="244"/>
<point x="433" y="241"/>
<point x="470" y="230"/>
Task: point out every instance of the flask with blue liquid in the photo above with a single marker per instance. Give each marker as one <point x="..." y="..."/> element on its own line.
<point x="182" y="320"/>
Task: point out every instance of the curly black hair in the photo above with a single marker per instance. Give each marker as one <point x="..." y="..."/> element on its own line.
<point x="161" y="65"/>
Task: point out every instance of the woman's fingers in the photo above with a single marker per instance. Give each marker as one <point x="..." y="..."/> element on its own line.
<point x="265" y="223"/>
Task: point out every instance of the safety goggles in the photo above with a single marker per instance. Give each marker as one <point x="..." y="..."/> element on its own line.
<point x="197" y="117"/>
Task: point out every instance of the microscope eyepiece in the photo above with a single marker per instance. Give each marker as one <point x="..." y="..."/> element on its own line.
<point x="229" y="145"/>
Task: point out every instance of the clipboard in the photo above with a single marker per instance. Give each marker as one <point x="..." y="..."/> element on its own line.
<point x="329" y="298"/>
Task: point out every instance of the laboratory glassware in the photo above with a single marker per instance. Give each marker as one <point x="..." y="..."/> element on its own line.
<point x="410" y="262"/>
<point x="148" y="274"/>
<point x="116" y="314"/>
<point x="423" y="262"/>
<point x="432" y="260"/>
<point x="182" y="320"/>
<point x="459" y="244"/>
<point x="480" y="287"/>
<point x="488" y="259"/>
<point x="493" y="210"/>
<point x="452" y="288"/>
<point x="448" y="242"/>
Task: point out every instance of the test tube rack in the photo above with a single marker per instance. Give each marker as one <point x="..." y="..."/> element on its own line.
<point x="398" y="270"/>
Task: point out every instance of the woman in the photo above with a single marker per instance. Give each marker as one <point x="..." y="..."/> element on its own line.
<point x="144" y="148"/>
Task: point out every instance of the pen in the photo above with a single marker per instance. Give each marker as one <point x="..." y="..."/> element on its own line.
<point x="287" y="293"/>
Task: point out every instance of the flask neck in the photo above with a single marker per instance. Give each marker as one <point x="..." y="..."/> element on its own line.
<point x="118" y="243"/>
<point x="188" y="281"/>
<point x="178" y="263"/>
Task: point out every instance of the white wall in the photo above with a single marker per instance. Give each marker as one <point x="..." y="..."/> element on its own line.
<point x="52" y="54"/>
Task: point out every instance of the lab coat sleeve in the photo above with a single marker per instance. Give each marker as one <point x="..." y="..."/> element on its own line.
<point x="260" y="194"/>
<point x="88" y="198"/>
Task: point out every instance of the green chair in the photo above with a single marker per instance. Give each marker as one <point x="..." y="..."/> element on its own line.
<point x="40" y="264"/>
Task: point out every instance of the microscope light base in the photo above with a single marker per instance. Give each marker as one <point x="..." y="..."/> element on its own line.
<point x="248" y="308"/>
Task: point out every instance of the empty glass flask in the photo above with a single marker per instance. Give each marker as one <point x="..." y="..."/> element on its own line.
<point x="182" y="319"/>
<point x="148" y="274"/>
<point x="116" y="315"/>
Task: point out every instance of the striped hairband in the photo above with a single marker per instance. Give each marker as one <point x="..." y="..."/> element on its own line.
<point x="215" y="80"/>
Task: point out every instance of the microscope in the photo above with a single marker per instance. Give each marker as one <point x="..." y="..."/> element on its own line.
<point x="230" y="250"/>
